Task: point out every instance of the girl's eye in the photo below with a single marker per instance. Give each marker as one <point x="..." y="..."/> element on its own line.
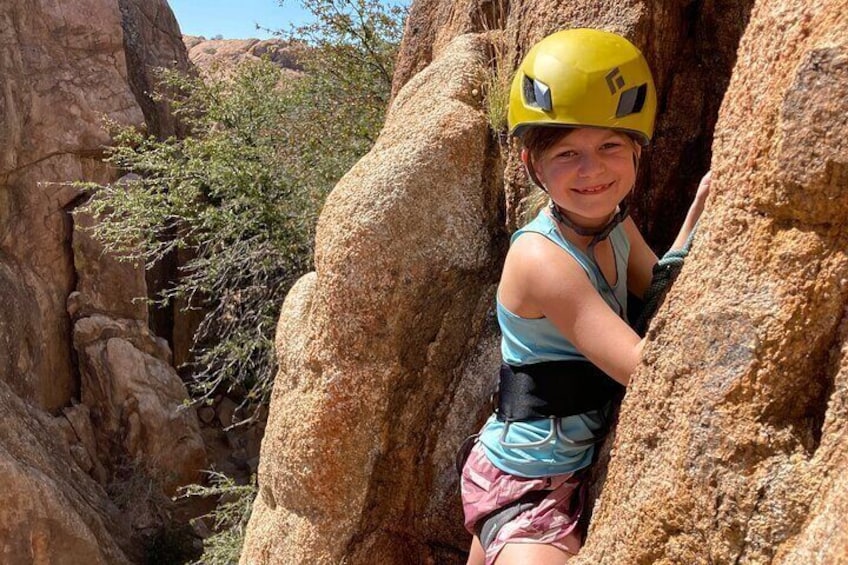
<point x="567" y="154"/>
<point x="611" y="145"/>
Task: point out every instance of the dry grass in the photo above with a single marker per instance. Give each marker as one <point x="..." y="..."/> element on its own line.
<point x="492" y="17"/>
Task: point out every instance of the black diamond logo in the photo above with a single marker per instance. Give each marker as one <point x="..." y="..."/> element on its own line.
<point x="614" y="80"/>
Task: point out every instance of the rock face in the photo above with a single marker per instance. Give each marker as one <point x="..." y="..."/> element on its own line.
<point x="63" y="69"/>
<point x="733" y="440"/>
<point x="137" y="401"/>
<point x="357" y="409"/>
<point x="52" y="512"/>
<point x="104" y="285"/>
<point x="152" y="41"/>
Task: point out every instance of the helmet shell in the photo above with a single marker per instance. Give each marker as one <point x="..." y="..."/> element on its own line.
<point x="584" y="78"/>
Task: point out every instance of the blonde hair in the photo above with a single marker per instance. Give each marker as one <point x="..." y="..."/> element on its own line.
<point x="532" y="205"/>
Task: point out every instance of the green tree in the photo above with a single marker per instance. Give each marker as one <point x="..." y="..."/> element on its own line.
<point x="348" y="55"/>
<point x="243" y="190"/>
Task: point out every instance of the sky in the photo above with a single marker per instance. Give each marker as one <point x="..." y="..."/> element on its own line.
<point x="236" y="19"/>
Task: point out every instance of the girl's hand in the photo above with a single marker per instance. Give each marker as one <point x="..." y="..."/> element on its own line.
<point x="704" y="188"/>
<point x="694" y="213"/>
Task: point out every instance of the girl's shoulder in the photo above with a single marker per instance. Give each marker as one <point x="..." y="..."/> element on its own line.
<point x="539" y="238"/>
<point x="544" y="245"/>
<point x="539" y="256"/>
<point x="536" y="269"/>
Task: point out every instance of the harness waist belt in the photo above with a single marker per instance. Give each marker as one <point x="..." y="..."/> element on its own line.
<point x="553" y="389"/>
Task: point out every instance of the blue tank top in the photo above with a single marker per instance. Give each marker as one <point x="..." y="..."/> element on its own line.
<point x="538" y="448"/>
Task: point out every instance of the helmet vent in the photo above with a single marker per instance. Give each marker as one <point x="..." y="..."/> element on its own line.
<point x="631" y="101"/>
<point x="537" y="94"/>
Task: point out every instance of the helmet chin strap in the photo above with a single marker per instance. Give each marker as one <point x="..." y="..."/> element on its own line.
<point x="597" y="234"/>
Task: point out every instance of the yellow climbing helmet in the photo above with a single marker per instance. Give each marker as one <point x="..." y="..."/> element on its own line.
<point x="584" y="77"/>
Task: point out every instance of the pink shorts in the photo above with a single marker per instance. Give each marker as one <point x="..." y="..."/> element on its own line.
<point x="501" y="508"/>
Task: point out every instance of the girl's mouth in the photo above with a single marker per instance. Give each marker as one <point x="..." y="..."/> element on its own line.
<point x="592" y="189"/>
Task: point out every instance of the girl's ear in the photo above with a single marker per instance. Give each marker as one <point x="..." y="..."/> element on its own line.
<point x="530" y="167"/>
<point x="527" y="159"/>
<point x="637" y="147"/>
<point x="525" y="156"/>
<point x="637" y="154"/>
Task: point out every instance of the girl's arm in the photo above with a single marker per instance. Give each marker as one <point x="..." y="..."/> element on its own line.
<point x="640" y="263"/>
<point x="694" y="212"/>
<point x="642" y="259"/>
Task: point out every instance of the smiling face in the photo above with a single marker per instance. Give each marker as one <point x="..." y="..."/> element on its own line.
<point x="587" y="172"/>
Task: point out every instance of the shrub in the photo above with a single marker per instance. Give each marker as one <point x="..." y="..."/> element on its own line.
<point x="228" y="520"/>
<point x="492" y="18"/>
<point x="348" y="55"/>
<point x="243" y="190"/>
<point x="229" y="194"/>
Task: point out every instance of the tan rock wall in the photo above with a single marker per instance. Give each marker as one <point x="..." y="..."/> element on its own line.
<point x="152" y="40"/>
<point x="50" y="510"/>
<point x="137" y="401"/>
<point x="371" y="345"/>
<point x="63" y="71"/>
<point x="732" y="442"/>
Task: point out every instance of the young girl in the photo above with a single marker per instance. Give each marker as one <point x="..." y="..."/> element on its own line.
<point x="583" y="103"/>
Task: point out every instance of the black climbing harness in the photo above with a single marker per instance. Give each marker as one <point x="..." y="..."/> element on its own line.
<point x="549" y="391"/>
<point x="552" y="389"/>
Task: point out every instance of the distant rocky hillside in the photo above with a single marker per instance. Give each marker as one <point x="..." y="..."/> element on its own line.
<point x="222" y="54"/>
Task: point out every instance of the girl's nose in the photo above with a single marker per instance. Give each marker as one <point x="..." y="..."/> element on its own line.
<point x="589" y="164"/>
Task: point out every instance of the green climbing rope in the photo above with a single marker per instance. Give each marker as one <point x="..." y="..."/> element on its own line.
<point x="665" y="271"/>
